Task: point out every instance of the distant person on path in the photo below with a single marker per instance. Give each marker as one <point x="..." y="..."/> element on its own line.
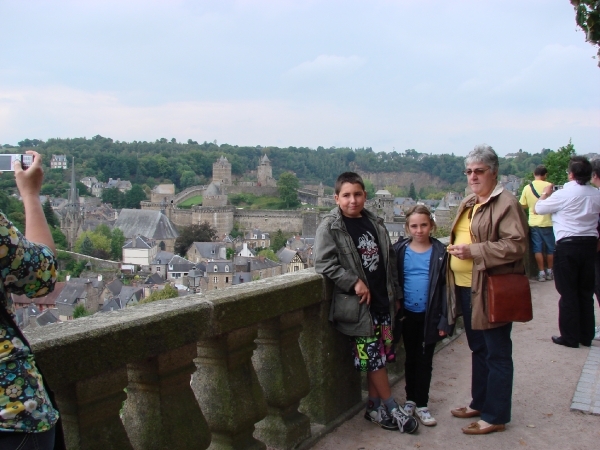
<point x="540" y="226"/>
<point x="574" y="210"/>
<point x="353" y="249"/>
<point x="489" y="236"/>
<point x="596" y="182"/>
<point x="27" y="416"/>
<point x="422" y="266"/>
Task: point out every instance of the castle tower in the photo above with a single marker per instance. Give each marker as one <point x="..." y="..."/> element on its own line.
<point x="72" y="219"/>
<point x="265" y="172"/>
<point x="222" y="172"/>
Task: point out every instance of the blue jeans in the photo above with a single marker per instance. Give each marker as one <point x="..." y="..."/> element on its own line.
<point x="27" y="441"/>
<point x="541" y="235"/>
<point x="492" y="366"/>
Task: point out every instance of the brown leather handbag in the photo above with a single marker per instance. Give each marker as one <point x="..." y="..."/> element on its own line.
<point x="508" y="298"/>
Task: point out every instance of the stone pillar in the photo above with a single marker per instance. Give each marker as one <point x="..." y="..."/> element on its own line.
<point x="334" y="383"/>
<point x="282" y="374"/>
<point x="90" y="412"/>
<point x="228" y="391"/>
<point x="161" y="411"/>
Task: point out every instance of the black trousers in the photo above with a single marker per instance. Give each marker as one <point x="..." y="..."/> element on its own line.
<point x="419" y="359"/>
<point x="574" y="276"/>
<point x="597" y="286"/>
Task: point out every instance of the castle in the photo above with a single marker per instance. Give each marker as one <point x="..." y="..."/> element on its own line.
<point x="221" y="216"/>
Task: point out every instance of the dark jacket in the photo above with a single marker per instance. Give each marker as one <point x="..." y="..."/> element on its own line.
<point x="436" y="316"/>
<point x="337" y="258"/>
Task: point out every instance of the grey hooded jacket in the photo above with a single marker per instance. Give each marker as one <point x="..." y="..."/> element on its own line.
<point x="337" y="258"/>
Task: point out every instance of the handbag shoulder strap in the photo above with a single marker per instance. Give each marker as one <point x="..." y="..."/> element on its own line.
<point x="533" y="190"/>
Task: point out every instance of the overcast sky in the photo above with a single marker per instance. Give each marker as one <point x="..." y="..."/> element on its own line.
<point x="436" y="76"/>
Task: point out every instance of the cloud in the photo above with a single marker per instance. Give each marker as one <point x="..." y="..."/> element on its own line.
<point x="326" y="66"/>
<point x="58" y="111"/>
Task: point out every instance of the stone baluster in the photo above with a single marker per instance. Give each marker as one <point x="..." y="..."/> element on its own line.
<point x="161" y="411"/>
<point x="90" y="412"/>
<point x="282" y="374"/>
<point x="335" y="386"/>
<point x="228" y="390"/>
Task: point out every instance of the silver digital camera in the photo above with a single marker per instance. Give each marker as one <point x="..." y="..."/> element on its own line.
<point x="6" y="162"/>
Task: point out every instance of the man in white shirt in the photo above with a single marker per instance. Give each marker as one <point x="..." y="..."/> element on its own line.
<point x="574" y="210"/>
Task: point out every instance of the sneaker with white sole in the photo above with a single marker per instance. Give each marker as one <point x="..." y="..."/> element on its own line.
<point x="406" y="423"/>
<point x="597" y="334"/>
<point x="549" y="274"/>
<point x="541" y="276"/>
<point x="409" y="407"/>
<point x="425" y="417"/>
<point x="381" y="417"/>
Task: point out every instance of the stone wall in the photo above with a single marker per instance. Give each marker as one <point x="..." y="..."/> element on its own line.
<point x="252" y="366"/>
<point x="97" y="264"/>
<point x="270" y="220"/>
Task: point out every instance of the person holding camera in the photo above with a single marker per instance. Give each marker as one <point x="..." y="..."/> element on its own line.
<point x="574" y="210"/>
<point x="28" y="417"/>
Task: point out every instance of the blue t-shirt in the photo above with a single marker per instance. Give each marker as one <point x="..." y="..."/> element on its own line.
<point x="416" y="280"/>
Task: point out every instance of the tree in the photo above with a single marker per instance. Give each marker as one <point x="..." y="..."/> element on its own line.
<point x="203" y="232"/>
<point x="134" y="196"/>
<point x="287" y="186"/>
<point x="169" y="291"/>
<point x="557" y="163"/>
<point x="269" y="254"/>
<point x="230" y="253"/>
<point x="412" y="193"/>
<point x="50" y="215"/>
<point x="278" y="241"/>
<point x="60" y="240"/>
<point x="80" y="311"/>
<point x="82" y="189"/>
<point x="113" y="196"/>
<point x="103" y="230"/>
<point x="86" y="247"/>
<point x="587" y="16"/>
<point x="117" y="240"/>
<point x="369" y="189"/>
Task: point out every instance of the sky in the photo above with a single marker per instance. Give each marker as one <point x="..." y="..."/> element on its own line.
<point x="434" y="76"/>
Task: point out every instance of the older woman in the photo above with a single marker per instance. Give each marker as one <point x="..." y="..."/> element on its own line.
<point x="489" y="236"/>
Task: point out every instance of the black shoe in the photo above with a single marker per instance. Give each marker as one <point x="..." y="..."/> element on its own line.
<point x="561" y="341"/>
<point x="381" y="417"/>
<point x="586" y="344"/>
<point x="406" y="423"/>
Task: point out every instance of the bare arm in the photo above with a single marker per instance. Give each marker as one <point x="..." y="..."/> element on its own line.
<point x="29" y="183"/>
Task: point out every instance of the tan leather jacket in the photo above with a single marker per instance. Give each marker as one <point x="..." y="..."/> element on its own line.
<point x="499" y="229"/>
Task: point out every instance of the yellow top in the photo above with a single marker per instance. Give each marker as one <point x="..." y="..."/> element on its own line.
<point x="462" y="268"/>
<point x="529" y="200"/>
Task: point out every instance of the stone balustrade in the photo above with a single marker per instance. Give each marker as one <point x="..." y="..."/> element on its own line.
<point x="249" y="367"/>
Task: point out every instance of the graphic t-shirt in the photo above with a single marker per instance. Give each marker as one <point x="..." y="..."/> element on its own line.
<point x="364" y="237"/>
<point x="416" y="279"/>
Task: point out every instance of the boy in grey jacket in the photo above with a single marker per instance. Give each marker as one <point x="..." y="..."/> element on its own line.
<point x="353" y="250"/>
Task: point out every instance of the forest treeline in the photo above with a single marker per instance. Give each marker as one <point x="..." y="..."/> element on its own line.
<point x="188" y="164"/>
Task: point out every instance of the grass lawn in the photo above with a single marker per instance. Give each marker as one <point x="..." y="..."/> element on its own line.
<point x="195" y="200"/>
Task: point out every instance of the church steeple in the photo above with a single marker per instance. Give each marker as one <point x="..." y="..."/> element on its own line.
<point x="72" y="220"/>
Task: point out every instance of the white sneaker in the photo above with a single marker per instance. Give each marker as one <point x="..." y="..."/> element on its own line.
<point x="549" y="274"/>
<point x="409" y="407"/>
<point x="542" y="276"/>
<point x="597" y="334"/>
<point x="425" y="417"/>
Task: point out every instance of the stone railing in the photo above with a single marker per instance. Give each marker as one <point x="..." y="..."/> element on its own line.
<point x="249" y="367"/>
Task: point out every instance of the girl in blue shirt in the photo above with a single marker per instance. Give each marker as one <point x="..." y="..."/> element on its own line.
<point x="422" y="262"/>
